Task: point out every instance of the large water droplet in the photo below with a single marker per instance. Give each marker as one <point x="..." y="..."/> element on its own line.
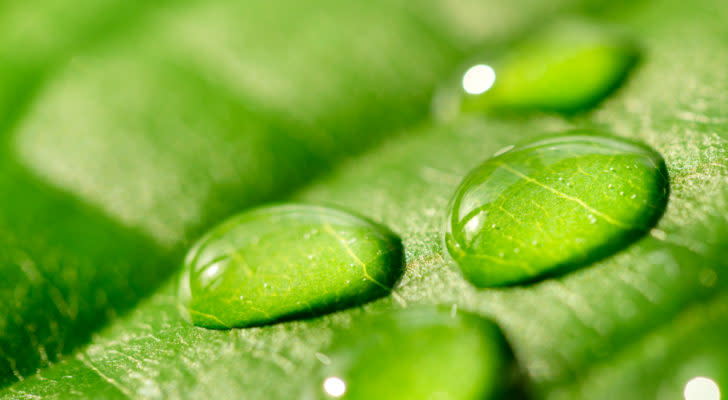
<point x="417" y="353"/>
<point x="552" y="205"/>
<point x="282" y="261"/>
<point x="567" y="67"/>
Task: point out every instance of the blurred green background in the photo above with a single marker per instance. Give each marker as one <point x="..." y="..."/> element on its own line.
<point x="129" y="128"/>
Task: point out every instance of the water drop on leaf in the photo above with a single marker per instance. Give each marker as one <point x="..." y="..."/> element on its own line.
<point x="515" y="192"/>
<point x="257" y="267"/>
<point x="566" y="67"/>
<point x="417" y="353"/>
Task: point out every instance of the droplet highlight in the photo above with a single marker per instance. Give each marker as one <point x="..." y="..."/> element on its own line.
<point x="416" y="353"/>
<point x="478" y="79"/>
<point x="701" y="388"/>
<point x="284" y="261"/>
<point x="513" y="220"/>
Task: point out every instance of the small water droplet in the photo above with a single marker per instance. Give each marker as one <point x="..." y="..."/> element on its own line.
<point x="262" y="249"/>
<point x="567" y="67"/>
<point x="514" y="190"/>
<point x="426" y="352"/>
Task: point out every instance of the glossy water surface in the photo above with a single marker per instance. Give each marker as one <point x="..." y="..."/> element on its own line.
<point x="417" y="353"/>
<point x="568" y="67"/>
<point x="553" y="204"/>
<point x="283" y="261"/>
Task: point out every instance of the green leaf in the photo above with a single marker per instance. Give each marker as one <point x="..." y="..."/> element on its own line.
<point x="286" y="261"/>
<point x="131" y="149"/>
<point x="146" y="139"/>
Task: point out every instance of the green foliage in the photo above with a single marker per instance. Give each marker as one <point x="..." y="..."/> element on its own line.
<point x="121" y="146"/>
<point x="552" y="205"/>
<point x="287" y="260"/>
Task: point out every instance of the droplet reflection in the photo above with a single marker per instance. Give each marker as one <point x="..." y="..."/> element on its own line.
<point x="478" y="79"/>
<point x="334" y="386"/>
<point x="701" y="388"/>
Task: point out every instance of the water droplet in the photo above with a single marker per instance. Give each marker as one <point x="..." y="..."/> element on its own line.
<point x="260" y="254"/>
<point x="416" y="353"/>
<point x="574" y="225"/>
<point x="567" y="67"/>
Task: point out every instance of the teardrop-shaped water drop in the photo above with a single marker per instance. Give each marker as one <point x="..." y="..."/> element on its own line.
<point x="283" y="261"/>
<point x="417" y="353"/>
<point x="568" y="67"/>
<point x="553" y="204"/>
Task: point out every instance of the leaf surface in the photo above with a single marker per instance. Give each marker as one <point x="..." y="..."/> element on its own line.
<point x="112" y="175"/>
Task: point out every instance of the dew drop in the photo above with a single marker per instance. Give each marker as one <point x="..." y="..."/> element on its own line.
<point x="567" y="67"/>
<point x="259" y="254"/>
<point x="413" y="354"/>
<point x="514" y="190"/>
